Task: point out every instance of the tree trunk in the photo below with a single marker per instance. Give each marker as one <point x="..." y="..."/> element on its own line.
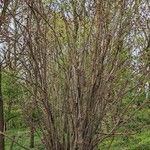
<point x="1" y="114"/>
<point x="2" y="144"/>
<point x="12" y="143"/>
<point x="32" y="137"/>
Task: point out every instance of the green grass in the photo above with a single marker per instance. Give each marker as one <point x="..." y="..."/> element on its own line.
<point x="140" y="141"/>
<point x="23" y="138"/>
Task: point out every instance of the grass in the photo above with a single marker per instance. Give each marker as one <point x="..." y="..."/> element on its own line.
<point x="140" y="141"/>
<point x="23" y="138"/>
